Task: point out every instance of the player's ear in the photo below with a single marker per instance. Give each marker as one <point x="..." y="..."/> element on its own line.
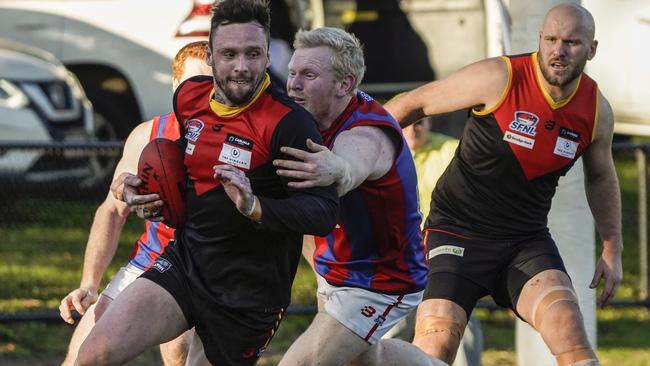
<point x="592" y="49"/>
<point x="208" y="56"/>
<point x="268" y="59"/>
<point x="346" y="85"/>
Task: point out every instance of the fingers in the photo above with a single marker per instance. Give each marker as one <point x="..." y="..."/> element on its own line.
<point x="605" y="295"/>
<point x="64" y="310"/>
<point x="131" y="180"/>
<point x="296" y="174"/>
<point x="117" y="186"/>
<point x="234" y="177"/>
<point x="146" y="206"/>
<point x="76" y="302"/>
<point x="311" y="145"/>
<point x="612" y="282"/>
<point x="132" y="199"/>
<point x="218" y="169"/>
<point x="296" y="153"/>
<point x="226" y="172"/>
<point x="292" y="164"/>
<point x="608" y="292"/>
<point x="597" y="276"/>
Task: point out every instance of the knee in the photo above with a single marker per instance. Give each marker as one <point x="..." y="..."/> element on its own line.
<point x="566" y="314"/>
<point x="556" y="315"/>
<point x="438" y="337"/>
<point x="558" y="307"/>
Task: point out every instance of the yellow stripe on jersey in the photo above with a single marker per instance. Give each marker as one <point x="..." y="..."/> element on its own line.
<point x="553" y="104"/>
<point x="226" y="111"/>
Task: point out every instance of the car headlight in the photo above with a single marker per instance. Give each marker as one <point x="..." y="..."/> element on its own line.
<point x="11" y="96"/>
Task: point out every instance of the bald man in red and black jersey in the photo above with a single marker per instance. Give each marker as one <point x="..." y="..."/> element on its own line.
<point x="230" y="270"/>
<point x="532" y="117"/>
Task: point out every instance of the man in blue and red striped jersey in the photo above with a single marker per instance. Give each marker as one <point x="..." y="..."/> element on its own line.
<point x="371" y="267"/>
<point x="109" y="221"/>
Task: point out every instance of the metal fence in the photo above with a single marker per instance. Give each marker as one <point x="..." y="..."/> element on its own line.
<point x="82" y="172"/>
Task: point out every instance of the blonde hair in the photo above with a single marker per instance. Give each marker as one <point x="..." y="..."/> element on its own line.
<point x="196" y="50"/>
<point x="347" y="52"/>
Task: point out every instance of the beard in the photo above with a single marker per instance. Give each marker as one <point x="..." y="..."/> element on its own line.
<point x="566" y="77"/>
<point x="239" y="96"/>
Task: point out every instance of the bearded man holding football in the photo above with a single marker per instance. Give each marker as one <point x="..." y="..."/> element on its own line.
<point x="229" y="272"/>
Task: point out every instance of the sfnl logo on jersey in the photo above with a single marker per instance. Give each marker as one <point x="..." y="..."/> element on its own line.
<point x="194" y="127"/>
<point x="526" y="124"/>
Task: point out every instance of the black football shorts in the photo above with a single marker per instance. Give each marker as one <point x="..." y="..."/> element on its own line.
<point x="463" y="269"/>
<point x="230" y="336"/>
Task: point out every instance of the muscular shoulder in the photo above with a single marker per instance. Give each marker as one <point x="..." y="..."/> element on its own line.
<point x="374" y="146"/>
<point x="491" y="78"/>
<point x="139" y="136"/>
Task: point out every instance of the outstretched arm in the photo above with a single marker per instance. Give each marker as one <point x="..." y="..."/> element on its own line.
<point x="358" y="154"/>
<point x="603" y="195"/>
<point x="104" y="232"/>
<point x="479" y="85"/>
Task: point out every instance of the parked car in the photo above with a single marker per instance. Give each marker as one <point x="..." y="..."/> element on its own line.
<point x="120" y="50"/>
<point x="43" y="102"/>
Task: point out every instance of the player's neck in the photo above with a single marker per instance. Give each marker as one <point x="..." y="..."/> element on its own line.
<point x="557" y="93"/>
<point x="560" y="92"/>
<point x="333" y="112"/>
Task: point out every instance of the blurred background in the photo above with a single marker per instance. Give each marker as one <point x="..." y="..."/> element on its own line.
<point x="77" y="75"/>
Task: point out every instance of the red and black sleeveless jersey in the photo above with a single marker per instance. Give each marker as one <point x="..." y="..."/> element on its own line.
<point x="156" y="235"/>
<point x="227" y="257"/>
<point x="503" y="177"/>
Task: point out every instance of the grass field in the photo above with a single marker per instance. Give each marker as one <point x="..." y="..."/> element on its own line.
<point x="41" y="251"/>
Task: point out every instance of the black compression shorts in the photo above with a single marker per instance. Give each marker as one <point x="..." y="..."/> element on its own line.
<point x="463" y="269"/>
<point x="229" y="336"/>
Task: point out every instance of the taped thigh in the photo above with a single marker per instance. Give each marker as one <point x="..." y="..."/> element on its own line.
<point x="434" y="324"/>
<point x="548" y="298"/>
<point x="577" y="357"/>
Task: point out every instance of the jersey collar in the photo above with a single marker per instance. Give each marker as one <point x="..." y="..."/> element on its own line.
<point x="226" y="111"/>
<point x="552" y="103"/>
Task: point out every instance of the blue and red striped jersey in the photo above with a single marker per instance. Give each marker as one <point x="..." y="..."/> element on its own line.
<point x="377" y="244"/>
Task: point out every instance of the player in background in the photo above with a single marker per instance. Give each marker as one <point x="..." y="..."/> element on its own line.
<point x="109" y="221"/>
<point x="532" y="116"/>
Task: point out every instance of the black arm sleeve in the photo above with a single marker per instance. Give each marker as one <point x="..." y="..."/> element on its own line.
<point x="308" y="211"/>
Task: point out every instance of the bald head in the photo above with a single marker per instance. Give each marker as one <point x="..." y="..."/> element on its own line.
<point x="566" y="42"/>
<point x="572" y="13"/>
